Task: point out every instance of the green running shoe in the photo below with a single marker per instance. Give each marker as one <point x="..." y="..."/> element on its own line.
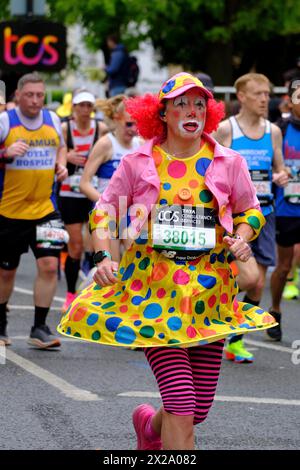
<point x="290" y="291"/>
<point x="236" y="352"/>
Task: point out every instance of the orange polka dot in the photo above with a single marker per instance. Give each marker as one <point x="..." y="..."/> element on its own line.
<point x="134" y="317"/>
<point x="268" y="319"/>
<point x="195" y="292"/>
<point x="160" y="270"/>
<point x="204" y="332"/>
<point x="157" y="157"/>
<point x="224" y="273"/>
<point x="125" y="297"/>
<point x="208" y="267"/>
<point x="178" y="200"/>
<point x="80" y="314"/>
<point x="186" y="305"/>
<point x="86" y="295"/>
<point x="193" y="184"/>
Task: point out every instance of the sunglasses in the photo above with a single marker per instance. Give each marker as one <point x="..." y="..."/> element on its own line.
<point x="130" y="124"/>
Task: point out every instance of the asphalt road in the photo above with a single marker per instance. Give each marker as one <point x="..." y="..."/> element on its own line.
<point x="82" y="396"/>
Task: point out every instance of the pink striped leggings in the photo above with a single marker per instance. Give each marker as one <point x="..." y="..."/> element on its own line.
<point x="187" y="378"/>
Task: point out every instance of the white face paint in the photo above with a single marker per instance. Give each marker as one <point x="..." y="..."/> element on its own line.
<point x="194" y="121"/>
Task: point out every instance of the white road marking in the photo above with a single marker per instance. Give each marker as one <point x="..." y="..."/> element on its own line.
<point x="266" y="401"/>
<point x="69" y="390"/>
<point x="30" y="292"/>
<point x="266" y="345"/>
<point x="64" y="339"/>
<point x="30" y="307"/>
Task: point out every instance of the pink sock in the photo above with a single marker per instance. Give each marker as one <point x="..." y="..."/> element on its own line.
<point x="150" y="433"/>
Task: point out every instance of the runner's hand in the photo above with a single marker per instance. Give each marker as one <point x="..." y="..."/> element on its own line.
<point x="17" y="149"/>
<point x="239" y="248"/>
<point x="75" y="158"/>
<point x="104" y="276"/>
<point x="281" y="178"/>
<point x="61" y="172"/>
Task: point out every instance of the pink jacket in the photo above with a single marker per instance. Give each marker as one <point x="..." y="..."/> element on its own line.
<point x="227" y="177"/>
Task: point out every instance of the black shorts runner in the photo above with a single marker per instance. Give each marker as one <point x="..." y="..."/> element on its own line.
<point x="287" y="231"/>
<point x="17" y="235"/>
<point x="74" y="210"/>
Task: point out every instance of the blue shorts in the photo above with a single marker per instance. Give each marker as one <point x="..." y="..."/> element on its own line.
<point x="264" y="246"/>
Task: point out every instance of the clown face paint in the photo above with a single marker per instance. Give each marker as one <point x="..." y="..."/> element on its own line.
<point x="185" y="115"/>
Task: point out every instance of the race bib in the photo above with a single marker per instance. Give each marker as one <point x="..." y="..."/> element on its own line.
<point x="75" y="182"/>
<point x="263" y="185"/>
<point x="292" y="190"/>
<point x="51" y="234"/>
<point x="183" y="232"/>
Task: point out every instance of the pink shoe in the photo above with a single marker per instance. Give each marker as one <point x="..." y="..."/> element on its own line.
<point x="140" y="418"/>
<point x="69" y="299"/>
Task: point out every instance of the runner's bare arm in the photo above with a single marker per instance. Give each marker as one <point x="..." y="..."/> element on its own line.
<point x="61" y="163"/>
<point x="223" y="134"/>
<point x="101" y="153"/>
<point x="280" y="172"/>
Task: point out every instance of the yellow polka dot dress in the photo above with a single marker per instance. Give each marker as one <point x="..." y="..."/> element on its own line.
<point x="159" y="301"/>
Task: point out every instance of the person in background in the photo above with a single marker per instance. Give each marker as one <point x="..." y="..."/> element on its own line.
<point x="117" y="69"/>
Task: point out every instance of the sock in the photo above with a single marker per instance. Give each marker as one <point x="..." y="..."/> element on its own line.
<point x="88" y="257"/>
<point x="72" y="267"/>
<point x="3" y="315"/>
<point x="40" y="314"/>
<point x="247" y="300"/>
<point x="150" y="433"/>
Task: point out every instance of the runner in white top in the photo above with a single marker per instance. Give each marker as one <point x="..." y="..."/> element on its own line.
<point x="108" y="151"/>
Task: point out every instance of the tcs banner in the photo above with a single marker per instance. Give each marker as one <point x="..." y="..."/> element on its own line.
<point x="32" y="45"/>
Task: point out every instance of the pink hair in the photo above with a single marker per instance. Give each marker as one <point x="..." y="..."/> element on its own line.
<point x="145" y="111"/>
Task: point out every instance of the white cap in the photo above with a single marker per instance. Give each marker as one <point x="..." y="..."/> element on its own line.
<point x="83" y="96"/>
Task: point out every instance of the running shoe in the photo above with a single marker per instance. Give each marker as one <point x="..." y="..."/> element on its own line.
<point x="290" y="291"/>
<point x="275" y="333"/>
<point x="42" y="338"/>
<point x="69" y="299"/>
<point x="140" y="418"/>
<point x="236" y="352"/>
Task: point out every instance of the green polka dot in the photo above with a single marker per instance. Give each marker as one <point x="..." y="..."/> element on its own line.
<point x="78" y="335"/>
<point x="205" y="196"/>
<point x="108" y="305"/>
<point x="200" y="307"/>
<point x="147" y="331"/>
<point x="144" y="263"/>
<point x="253" y="221"/>
<point x="96" y="335"/>
<point x="247" y="307"/>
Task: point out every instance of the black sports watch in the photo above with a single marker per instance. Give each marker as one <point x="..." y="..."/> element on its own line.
<point x="100" y="255"/>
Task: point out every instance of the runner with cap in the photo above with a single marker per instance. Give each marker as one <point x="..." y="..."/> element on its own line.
<point x="80" y="132"/>
<point x="174" y="286"/>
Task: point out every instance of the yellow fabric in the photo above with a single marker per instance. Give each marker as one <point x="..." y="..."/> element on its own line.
<point x="28" y="181"/>
<point x="158" y="301"/>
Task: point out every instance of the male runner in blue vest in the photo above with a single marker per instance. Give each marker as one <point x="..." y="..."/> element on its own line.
<point x="260" y="142"/>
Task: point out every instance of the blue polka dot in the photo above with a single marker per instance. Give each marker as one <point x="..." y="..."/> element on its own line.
<point x="207" y="281"/>
<point x="128" y="272"/>
<point x="137" y="300"/>
<point x="193" y="321"/>
<point x="92" y="319"/>
<point x="152" y="311"/>
<point x="122" y="270"/>
<point x="192" y="268"/>
<point x="137" y="323"/>
<point x="174" y="323"/>
<point x="171" y="309"/>
<point x="138" y="254"/>
<point x="110" y="313"/>
<point x="68" y="332"/>
<point x="125" y="335"/>
<point x="245" y="325"/>
<point x="96" y="303"/>
<point x="221" y="257"/>
<point x="213" y="258"/>
<point x="173" y="294"/>
<point x="163" y="201"/>
<point x="168" y="86"/>
<point x="259" y="311"/>
<point x="206" y="321"/>
<point x="148" y="295"/>
<point x="143" y="238"/>
<point x="166" y="186"/>
<point x="161" y="335"/>
<point x="113" y="323"/>
<point x="202" y="165"/>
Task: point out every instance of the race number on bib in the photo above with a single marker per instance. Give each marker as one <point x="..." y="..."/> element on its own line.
<point x="263" y="185"/>
<point x="292" y="190"/>
<point x="185" y="229"/>
<point x="51" y="234"/>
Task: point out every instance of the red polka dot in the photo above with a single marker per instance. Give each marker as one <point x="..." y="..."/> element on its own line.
<point x="224" y="298"/>
<point x="193" y="184"/>
<point x="158" y="320"/>
<point x="208" y="267"/>
<point x="149" y="249"/>
<point x="109" y="294"/>
<point x="235" y="305"/>
<point x="161" y="293"/>
<point x="191" y="332"/>
<point x="186" y="305"/>
<point x="180" y="277"/>
<point x="125" y="297"/>
<point x="268" y="319"/>
<point x="123" y="308"/>
<point x="136" y="285"/>
<point x="160" y="270"/>
<point x="86" y="296"/>
<point x="177" y="169"/>
<point x="211" y="301"/>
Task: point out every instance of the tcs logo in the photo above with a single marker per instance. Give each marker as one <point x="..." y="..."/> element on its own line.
<point x="46" y="53"/>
